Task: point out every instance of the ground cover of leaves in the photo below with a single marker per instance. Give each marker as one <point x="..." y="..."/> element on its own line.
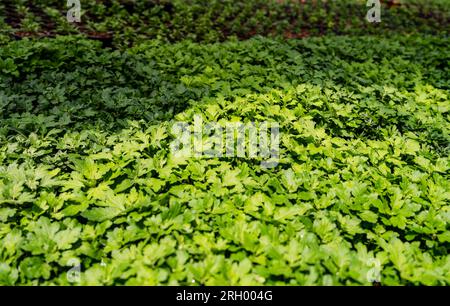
<point x="87" y="175"/>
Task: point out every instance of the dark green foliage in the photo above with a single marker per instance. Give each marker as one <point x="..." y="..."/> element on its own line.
<point x="125" y="22"/>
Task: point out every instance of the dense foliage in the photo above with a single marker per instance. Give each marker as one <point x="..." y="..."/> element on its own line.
<point x="86" y="173"/>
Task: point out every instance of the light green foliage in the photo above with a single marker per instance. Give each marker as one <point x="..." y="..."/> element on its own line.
<point x="86" y="172"/>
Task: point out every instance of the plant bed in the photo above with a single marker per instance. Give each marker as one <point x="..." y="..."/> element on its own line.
<point x="359" y="195"/>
